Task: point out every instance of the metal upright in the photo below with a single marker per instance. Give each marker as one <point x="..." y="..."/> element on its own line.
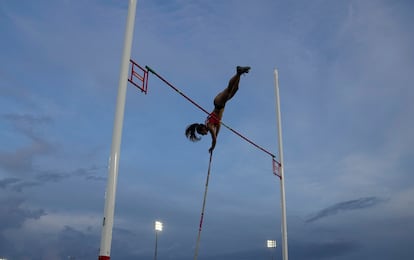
<point x="108" y="220"/>
<point x="281" y="170"/>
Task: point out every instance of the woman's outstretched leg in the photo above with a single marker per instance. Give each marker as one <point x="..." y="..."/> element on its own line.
<point x="221" y="99"/>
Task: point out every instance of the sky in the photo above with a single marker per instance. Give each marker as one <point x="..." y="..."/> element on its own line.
<point x="345" y="77"/>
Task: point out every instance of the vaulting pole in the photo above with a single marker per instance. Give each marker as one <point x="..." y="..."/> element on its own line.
<point x="108" y="220"/>
<point x="203" y="208"/>
<point x="281" y="171"/>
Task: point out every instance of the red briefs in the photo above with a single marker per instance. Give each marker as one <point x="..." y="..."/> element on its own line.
<point x="213" y="118"/>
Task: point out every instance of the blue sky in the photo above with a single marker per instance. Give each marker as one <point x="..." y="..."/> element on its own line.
<point x="345" y="70"/>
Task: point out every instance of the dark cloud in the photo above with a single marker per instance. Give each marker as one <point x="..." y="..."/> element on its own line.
<point x="8" y="181"/>
<point x="44" y="177"/>
<point x="360" y="203"/>
<point x="77" y="244"/>
<point x="26" y="123"/>
<point x="91" y="173"/>
<point x="20" y="161"/>
<point x="13" y="214"/>
<point x="85" y="171"/>
<point x="51" y="177"/>
<point x="69" y="243"/>
<point x="84" y="244"/>
<point x="20" y="186"/>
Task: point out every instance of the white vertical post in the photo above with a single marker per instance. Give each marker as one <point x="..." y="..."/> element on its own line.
<point x="282" y="176"/>
<point x="108" y="220"/>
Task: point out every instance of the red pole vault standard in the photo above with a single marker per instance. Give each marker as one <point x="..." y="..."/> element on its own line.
<point x="135" y="74"/>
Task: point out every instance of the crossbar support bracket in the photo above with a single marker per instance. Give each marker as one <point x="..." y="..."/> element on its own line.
<point x="138" y="76"/>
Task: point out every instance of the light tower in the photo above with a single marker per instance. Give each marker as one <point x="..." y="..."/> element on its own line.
<point x="158" y="228"/>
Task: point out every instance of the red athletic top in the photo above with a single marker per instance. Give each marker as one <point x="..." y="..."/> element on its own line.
<point x="213" y="118"/>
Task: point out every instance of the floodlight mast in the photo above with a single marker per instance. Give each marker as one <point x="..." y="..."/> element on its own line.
<point x="281" y="170"/>
<point x="158" y="228"/>
<point x="108" y="220"/>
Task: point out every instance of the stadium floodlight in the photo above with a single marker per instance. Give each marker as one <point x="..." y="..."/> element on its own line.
<point x="271" y="243"/>
<point x="158" y="226"/>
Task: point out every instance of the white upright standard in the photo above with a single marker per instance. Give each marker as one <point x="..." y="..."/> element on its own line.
<point x="108" y="220"/>
<point x="281" y="171"/>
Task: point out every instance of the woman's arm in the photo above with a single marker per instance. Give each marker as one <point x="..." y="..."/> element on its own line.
<point x="213" y="132"/>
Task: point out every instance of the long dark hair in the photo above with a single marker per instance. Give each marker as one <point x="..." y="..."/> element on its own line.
<point x="191" y="130"/>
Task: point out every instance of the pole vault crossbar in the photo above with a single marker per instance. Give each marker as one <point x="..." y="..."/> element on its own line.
<point x="205" y="111"/>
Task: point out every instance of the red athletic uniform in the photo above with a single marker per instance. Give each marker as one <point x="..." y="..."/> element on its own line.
<point x="213" y="118"/>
